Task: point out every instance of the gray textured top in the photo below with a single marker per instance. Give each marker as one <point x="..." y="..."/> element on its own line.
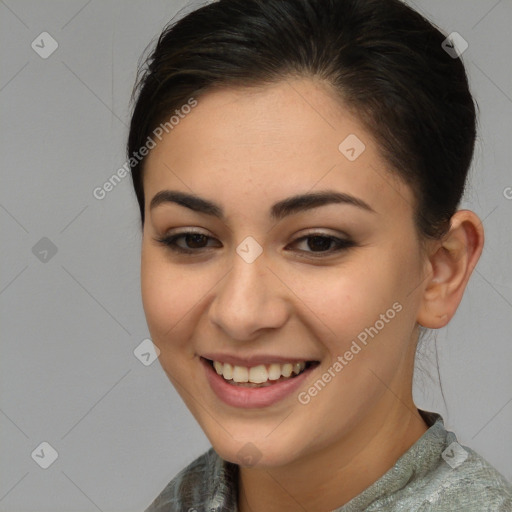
<point x="435" y="474"/>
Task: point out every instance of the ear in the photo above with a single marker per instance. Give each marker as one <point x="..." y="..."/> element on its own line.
<point x="449" y="266"/>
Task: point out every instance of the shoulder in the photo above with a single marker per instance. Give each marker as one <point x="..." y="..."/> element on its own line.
<point x="464" y="480"/>
<point x="187" y="489"/>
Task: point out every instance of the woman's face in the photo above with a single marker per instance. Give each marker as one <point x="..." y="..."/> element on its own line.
<point x="254" y="289"/>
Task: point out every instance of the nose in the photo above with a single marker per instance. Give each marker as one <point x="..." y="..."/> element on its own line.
<point x="249" y="300"/>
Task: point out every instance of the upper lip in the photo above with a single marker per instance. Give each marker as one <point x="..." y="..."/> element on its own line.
<point x="253" y="360"/>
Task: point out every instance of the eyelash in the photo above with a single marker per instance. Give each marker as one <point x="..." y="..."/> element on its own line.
<point x="340" y="244"/>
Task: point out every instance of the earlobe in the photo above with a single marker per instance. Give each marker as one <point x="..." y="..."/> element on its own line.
<point x="450" y="265"/>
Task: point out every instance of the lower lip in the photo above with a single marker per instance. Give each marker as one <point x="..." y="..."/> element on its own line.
<point x="248" y="398"/>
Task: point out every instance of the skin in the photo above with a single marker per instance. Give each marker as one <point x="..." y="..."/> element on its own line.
<point x="246" y="149"/>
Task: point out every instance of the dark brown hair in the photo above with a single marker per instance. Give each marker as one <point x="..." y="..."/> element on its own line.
<point x="381" y="58"/>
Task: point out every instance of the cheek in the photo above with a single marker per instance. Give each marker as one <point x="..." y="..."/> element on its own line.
<point x="364" y="301"/>
<point x="163" y="296"/>
<point x="172" y="300"/>
<point x="347" y="299"/>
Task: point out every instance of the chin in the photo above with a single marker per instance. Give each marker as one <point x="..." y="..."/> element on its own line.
<point x="254" y="453"/>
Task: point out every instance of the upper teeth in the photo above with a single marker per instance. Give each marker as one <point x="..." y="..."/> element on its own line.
<point x="257" y="374"/>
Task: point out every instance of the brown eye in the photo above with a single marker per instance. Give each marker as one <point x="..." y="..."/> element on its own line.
<point x="317" y="245"/>
<point x="195" y="240"/>
<point x="323" y="244"/>
<point x="189" y="242"/>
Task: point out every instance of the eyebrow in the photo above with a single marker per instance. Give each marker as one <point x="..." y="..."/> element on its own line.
<point x="291" y="205"/>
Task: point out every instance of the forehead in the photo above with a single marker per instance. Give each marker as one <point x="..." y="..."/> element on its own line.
<point x="273" y="141"/>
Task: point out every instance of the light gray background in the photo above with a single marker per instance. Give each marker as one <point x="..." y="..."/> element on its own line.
<point x="70" y="325"/>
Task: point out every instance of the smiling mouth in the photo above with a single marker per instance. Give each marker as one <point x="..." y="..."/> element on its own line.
<point x="260" y="375"/>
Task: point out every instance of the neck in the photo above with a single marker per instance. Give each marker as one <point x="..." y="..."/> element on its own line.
<point x="331" y="477"/>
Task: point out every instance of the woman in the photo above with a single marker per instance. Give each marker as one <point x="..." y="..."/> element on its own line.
<point x="299" y="169"/>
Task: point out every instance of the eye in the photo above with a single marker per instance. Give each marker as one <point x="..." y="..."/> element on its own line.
<point x="323" y="244"/>
<point x="193" y="242"/>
